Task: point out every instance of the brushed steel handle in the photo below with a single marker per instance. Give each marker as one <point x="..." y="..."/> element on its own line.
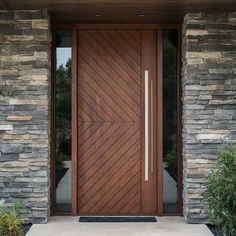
<point x="146" y="118"/>
<point x="152" y="130"/>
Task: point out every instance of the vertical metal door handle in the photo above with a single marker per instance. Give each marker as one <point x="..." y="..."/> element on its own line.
<point x="146" y="125"/>
<point x="152" y="136"/>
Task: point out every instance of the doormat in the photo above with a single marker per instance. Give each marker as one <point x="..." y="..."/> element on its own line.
<point x="116" y="219"/>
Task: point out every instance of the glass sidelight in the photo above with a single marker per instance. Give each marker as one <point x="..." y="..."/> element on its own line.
<point x="62" y="181"/>
<point x="170" y="121"/>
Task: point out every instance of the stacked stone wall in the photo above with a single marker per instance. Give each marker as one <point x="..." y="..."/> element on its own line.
<point x="209" y="101"/>
<point x="24" y="110"/>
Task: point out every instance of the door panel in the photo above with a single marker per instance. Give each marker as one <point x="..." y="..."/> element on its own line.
<point x="149" y="63"/>
<point x="110" y="116"/>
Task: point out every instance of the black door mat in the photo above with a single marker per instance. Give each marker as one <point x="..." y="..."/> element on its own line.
<point x="116" y="219"/>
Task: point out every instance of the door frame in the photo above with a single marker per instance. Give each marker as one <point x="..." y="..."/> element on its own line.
<point x="74" y="122"/>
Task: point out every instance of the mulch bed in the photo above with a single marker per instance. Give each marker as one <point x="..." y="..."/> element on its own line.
<point x="26" y="227"/>
<point x="215" y="230"/>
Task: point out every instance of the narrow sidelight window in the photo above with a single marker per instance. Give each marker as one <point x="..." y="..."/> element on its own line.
<point x="62" y="181"/>
<point x="170" y="121"/>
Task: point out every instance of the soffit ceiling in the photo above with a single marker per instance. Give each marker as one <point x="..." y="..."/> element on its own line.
<point x="119" y="11"/>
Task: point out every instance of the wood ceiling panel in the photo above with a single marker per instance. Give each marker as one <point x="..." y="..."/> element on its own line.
<point x="73" y="4"/>
<point x="3" y="5"/>
<point x="121" y="11"/>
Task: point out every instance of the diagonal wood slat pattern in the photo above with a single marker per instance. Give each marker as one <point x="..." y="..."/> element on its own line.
<point x="110" y="106"/>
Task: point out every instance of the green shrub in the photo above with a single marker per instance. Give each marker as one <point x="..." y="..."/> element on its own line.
<point x="11" y="223"/>
<point x="221" y="192"/>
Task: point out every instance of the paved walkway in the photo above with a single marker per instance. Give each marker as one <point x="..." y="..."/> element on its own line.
<point x="165" y="226"/>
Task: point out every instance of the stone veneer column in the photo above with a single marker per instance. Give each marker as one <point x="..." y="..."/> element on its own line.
<point x="209" y="100"/>
<point x="24" y="110"/>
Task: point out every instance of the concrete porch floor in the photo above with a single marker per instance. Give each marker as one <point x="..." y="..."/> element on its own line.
<point x="165" y="226"/>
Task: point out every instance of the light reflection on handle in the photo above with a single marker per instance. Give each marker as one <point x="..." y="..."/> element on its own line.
<point x="146" y="125"/>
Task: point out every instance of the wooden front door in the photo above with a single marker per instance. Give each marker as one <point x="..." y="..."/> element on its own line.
<point x="114" y="176"/>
